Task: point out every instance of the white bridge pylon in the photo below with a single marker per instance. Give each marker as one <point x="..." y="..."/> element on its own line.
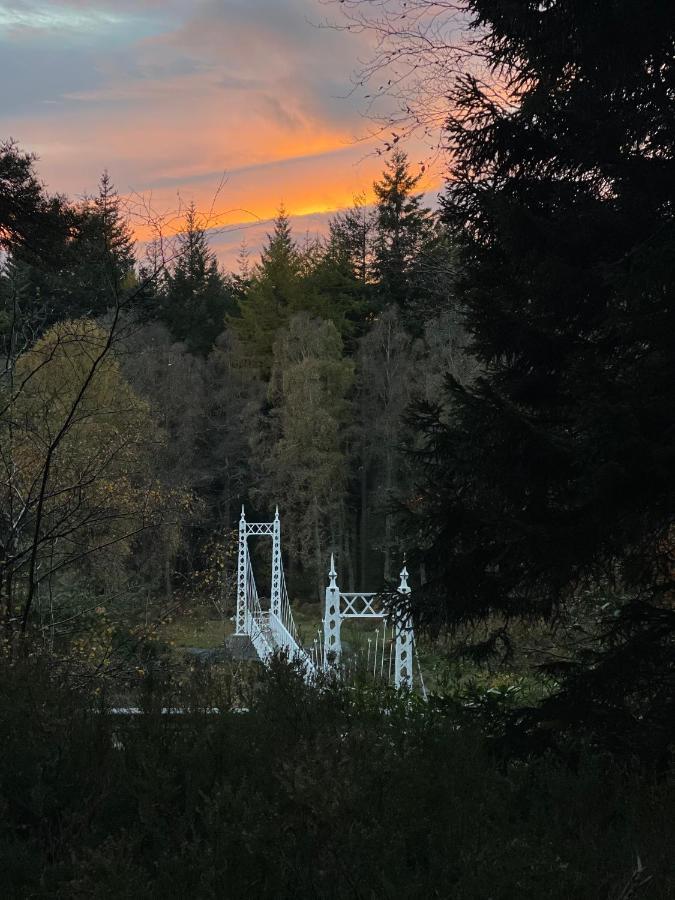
<point x="273" y="631"/>
<point x="359" y="605"/>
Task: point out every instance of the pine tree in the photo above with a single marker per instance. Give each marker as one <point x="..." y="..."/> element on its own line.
<point x="196" y="299"/>
<point x="554" y="478"/>
<point x="403" y="229"/>
<point x="388" y="363"/>
<point x="87" y="268"/>
<point x="274" y="294"/>
<point x="100" y="257"/>
<point x="331" y="291"/>
<point x="352" y="236"/>
<point x="32" y="223"/>
<point x="241" y="279"/>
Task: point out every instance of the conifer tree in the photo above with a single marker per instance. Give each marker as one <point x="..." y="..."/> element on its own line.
<point x="89" y="268"/>
<point x="352" y="237"/>
<point x="274" y="294"/>
<point x="403" y="229"/>
<point x="102" y="254"/>
<point x="241" y="278"/>
<point x="388" y="363"/>
<point x="32" y="223"/>
<point x="553" y="480"/>
<point x="196" y="299"/>
<point x="331" y="291"/>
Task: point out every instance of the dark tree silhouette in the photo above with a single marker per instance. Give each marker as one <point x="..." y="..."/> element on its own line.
<point x="555" y="471"/>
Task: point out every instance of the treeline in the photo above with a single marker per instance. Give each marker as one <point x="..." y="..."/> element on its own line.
<point x="147" y="395"/>
<point x="308" y="360"/>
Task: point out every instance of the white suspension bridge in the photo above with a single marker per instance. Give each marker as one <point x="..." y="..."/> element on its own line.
<point x="272" y="630"/>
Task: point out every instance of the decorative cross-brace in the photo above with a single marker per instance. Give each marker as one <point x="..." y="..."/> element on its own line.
<point x="258" y="528"/>
<point x="359" y="606"/>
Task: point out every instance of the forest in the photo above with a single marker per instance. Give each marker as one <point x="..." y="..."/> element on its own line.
<point x="283" y="383"/>
<point x="481" y="388"/>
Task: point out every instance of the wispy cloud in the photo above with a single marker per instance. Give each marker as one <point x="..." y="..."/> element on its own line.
<point x="168" y="94"/>
<point x="40" y="17"/>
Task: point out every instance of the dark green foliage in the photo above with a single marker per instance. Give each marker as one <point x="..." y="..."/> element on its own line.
<point x="334" y="293"/>
<point x="196" y="297"/>
<point x="82" y="263"/>
<point x="309" y="794"/>
<point x="303" y="460"/>
<point x="101" y="256"/>
<point x="404" y="229"/>
<point x="320" y="279"/>
<point x="35" y="229"/>
<point x="273" y="295"/>
<point x="352" y="237"/>
<point x="30" y="219"/>
<point x="556" y="469"/>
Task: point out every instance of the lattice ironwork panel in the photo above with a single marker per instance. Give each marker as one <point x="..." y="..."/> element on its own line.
<point x="360" y="606"/>
<point x="253" y="528"/>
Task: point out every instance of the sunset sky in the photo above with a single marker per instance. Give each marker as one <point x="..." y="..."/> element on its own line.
<point x="173" y="95"/>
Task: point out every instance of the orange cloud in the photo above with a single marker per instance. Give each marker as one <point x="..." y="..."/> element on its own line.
<point x="310" y="189"/>
<point x="247" y="90"/>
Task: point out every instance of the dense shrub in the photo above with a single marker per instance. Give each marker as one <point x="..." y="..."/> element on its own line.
<point x="308" y="793"/>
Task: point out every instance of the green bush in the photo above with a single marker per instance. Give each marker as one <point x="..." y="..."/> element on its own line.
<point x="310" y="793"/>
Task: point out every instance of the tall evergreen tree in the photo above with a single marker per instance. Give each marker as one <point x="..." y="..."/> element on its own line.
<point x="88" y="266"/>
<point x="388" y="362"/>
<point x="241" y="278"/>
<point x="196" y="298"/>
<point x="352" y="237"/>
<point x="331" y="291"/>
<point x="404" y="227"/>
<point x="555" y="473"/>
<point x="31" y="221"/>
<point x="274" y="294"/>
<point x="102" y="254"/>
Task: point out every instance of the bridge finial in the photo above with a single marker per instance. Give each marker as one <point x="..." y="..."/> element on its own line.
<point x="403" y="587"/>
<point x="243" y="514"/>
<point x="332" y="574"/>
<point x="276" y="514"/>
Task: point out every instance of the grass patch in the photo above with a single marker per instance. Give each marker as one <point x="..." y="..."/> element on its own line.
<point x="199" y="626"/>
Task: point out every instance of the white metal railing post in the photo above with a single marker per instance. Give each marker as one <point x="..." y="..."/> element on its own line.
<point x="275" y="593"/>
<point x="332" y="648"/>
<point x="403" y="657"/>
<point x="242" y="578"/>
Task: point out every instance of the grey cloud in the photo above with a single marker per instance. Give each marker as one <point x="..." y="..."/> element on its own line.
<point x="40" y="75"/>
<point x="265" y="46"/>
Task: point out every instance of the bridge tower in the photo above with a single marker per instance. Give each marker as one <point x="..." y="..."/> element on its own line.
<point x="341" y="605"/>
<point x="275" y="595"/>
<point x="241" y="626"/>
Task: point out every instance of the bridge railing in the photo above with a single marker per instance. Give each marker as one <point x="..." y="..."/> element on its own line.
<point x="260" y="642"/>
<point x="285" y="631"/>
<point x="255" y="617"/>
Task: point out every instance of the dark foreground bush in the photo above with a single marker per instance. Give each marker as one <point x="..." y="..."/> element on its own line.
<point x="308" y="794"/>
